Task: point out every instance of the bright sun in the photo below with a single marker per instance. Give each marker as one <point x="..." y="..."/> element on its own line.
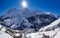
<point x="24" y="4"/>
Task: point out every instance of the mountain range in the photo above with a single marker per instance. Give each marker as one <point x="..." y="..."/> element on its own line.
<point x="29" y="22"/>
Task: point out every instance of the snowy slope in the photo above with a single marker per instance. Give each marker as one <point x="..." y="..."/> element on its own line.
<point x="47" y="34"/>
<point x="52" y="26"/>
<point x="3" y="34"/>
<point x="57" y="35"/>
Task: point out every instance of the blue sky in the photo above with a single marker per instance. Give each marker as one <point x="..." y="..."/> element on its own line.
<point x="43" y="5"/>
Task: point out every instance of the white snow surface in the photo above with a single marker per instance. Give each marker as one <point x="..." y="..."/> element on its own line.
<point x="40" y="34"/>
<point x="58" y="35"/>
<point x="34" y="35"/>
<point x="51" y="33"/>
<point x="3" y="34"/>
<point x="51" y="25"/>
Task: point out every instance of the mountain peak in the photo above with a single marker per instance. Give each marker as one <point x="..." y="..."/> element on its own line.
<point x="35" y="19"/>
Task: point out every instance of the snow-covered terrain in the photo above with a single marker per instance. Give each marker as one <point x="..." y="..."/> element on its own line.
<point x="52" y="26"/>
<point x="29" y="24"/>
<point x="3" y="34"/>
<point x="53" y="32"/>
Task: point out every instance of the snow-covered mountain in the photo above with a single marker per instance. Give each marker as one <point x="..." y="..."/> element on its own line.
<point x="52" y="26"/>
<point x="21" y="19"/>
<point x="50" y="31"/>
<point x="29" y="24"/>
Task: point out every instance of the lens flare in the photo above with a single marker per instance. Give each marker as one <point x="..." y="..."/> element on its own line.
<point x="24" y="4"/>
